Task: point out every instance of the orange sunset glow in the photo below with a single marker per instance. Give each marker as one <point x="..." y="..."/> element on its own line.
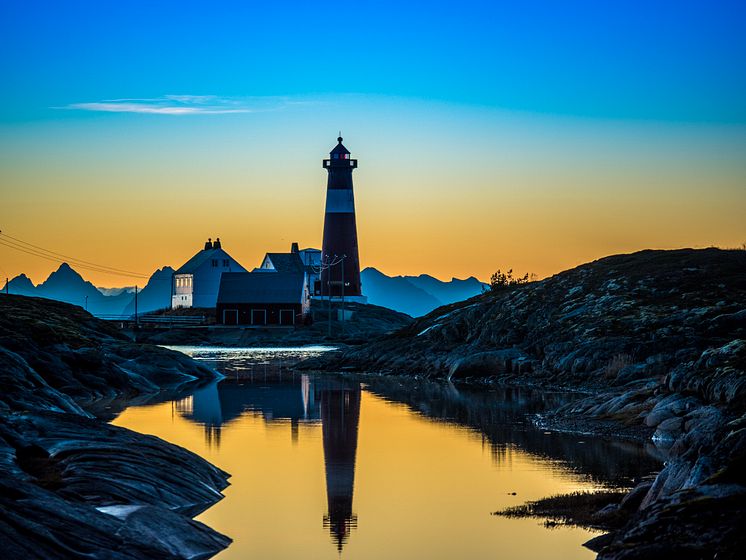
<point x="441" y="189"/>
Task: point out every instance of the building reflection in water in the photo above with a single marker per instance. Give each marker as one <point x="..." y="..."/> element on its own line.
<point x="203" y="407"/>
<point x="297" y="399"/>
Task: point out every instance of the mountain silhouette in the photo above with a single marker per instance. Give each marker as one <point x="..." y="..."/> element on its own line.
<point x="155" y="295"/>
<point x="448" y="292"/>
<point x="65" y="284"/>
<point x="22" y="285"/>
<point x="116" y="291"/>
<point x="415" y="295"/>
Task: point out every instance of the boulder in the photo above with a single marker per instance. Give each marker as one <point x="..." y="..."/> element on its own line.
<point x="484" y="364"/>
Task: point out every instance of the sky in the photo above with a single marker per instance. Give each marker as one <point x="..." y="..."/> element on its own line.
<point x="527" y="135"/>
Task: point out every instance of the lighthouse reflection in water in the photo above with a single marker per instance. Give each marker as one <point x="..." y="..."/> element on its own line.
<point x="324" y="467"/>
<point x="298" y="399"/>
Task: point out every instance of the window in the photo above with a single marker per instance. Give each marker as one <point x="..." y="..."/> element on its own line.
<point x="215" y="262"/>
<point x="347" y="156"/>
<point x="226" y="263"/>
<point x="336" y="156"/>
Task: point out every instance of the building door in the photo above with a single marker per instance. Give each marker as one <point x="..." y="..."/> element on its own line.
<point x="287" y="317"/>
<point x="230" y="316"/>
<point x="258" y="316"/>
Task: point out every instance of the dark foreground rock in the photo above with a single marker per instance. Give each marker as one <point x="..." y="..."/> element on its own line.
<point x="72" y="486"/>
<point x="658" y="339"/>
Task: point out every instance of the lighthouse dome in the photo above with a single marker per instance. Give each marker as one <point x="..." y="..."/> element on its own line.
<point x="339" y="151"/>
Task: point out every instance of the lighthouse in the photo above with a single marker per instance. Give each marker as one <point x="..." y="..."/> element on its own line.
<point x="340" y="262"/>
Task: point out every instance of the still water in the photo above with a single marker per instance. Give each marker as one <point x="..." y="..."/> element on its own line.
<point x="325" y="467"/>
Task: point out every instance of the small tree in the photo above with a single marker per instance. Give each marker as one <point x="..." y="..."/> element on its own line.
<point x="500" y="279"/>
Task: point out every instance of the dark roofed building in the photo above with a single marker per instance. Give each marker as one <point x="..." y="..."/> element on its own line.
<point x="297" y="260"/>
<point x="283" y="262"/>
<point x="263" y="298"/>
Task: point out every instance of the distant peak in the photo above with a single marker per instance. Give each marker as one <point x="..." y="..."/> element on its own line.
<point x="162" y="272"/>
<point x="65" y="270"/>
<point x="20" y="281"/>
<point x="372" y="270"/>
<point x="65" y="273"/>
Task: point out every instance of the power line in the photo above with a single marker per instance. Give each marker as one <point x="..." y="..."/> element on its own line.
<point x="60" y="260"/>
<point x="36" y="251"/>
<point x="69" y="257"/>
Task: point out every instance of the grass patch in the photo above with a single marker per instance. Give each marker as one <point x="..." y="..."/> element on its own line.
<point x="579" y="509"/>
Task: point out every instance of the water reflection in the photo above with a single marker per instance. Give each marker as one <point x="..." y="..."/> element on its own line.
<point x="340" y="415"/>
<point x="411" y="447"/>
<point x="503" y="416"/>
<point x="274" y="397"/>
<point x="279" y="396"/>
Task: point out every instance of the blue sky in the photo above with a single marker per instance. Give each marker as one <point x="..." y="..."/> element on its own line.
<point x="663" y="60"/>
<point x="527" y="135"/>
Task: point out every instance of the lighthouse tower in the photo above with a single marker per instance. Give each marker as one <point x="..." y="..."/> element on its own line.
<point x="340" y="263"/>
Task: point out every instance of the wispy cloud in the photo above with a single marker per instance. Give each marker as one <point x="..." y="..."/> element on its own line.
<point x="183" y="105"/>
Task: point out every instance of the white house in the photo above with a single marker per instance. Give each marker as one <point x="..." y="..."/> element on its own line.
<point x="196" y="282"/>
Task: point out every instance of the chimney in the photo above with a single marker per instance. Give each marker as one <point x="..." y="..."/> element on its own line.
<point x="294" y="248"/>
<point x="216" y="245"/>
<point x="208" y="245"/>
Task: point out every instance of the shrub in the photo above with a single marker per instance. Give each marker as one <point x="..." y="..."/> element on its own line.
<point x="500" y="279"/>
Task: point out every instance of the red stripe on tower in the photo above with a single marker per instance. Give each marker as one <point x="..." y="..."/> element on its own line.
<point x="340" y="262"/>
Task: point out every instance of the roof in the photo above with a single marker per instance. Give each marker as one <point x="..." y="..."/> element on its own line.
<point x="311" y="259"/>
<point x="261" y="287"/>
<point x="339" y="148"/>
<point x="286" y="262"/>
<point x="200" y="258"/>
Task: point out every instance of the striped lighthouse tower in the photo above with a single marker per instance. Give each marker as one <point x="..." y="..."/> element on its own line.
<point x="340" y="263"/>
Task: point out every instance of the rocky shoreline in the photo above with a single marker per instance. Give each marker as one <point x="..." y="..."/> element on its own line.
<point x="658" y="341"/>
<point x="71" y="485"/>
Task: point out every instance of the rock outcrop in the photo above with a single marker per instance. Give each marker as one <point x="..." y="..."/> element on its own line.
<point x="657" y="337"/>
<point x="72" y="486"/>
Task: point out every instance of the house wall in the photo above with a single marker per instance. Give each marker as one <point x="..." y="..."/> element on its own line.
<point x="207" y="278"/>
<point x="181" y="300"/>
<point x="306" y="301"/>
<point x="312" y="260"/>
<point x="245" y="312"/>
